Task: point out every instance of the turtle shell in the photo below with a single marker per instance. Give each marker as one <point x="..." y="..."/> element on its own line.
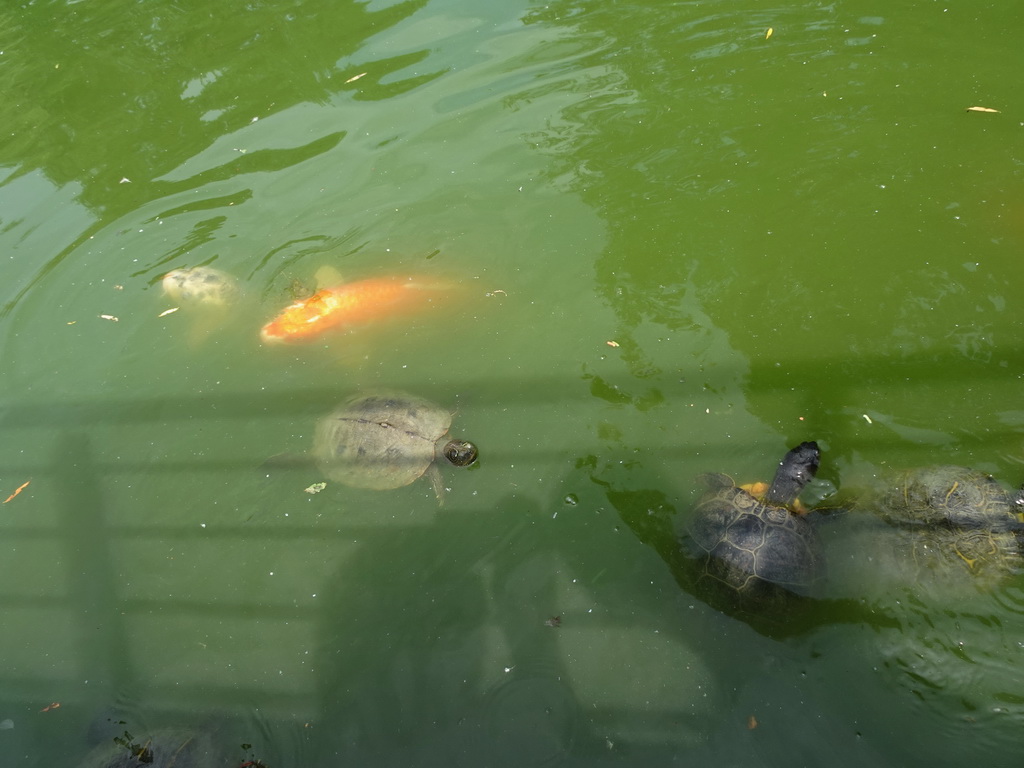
<point x="956" y="521"/>
<point x="203" y="286"/>
<point x="380" y="441"/>
<point x="984" y="553"/>
<point x="749" y="543"/>
<point x="758" y="546"/>
<point x="950" y="496"/>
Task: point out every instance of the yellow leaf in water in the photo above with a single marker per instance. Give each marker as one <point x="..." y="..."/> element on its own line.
<point x="768" y="33"/>
<point x="981" y="109"/>
<point x="17" y="490"/>
<point x="167" y="312"/>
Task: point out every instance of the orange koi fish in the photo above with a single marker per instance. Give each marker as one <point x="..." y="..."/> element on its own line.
<point x="347" y="304"/>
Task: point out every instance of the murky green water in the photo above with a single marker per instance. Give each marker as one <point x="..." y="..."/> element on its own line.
<point x="676" y="245"/>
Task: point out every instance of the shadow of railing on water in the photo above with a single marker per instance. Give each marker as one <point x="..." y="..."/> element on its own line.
<point x="78" y="477"/>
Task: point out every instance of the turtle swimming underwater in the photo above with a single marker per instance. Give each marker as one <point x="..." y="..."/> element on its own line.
<point x="202" y="286"/>
<point x="166" y="748"/>
<point x="951" y="496"/>
<point x="959" y="517"/>
<point x="385" y="440"/>
<point x="760" y="547"/>
<point x="208" y="295"/>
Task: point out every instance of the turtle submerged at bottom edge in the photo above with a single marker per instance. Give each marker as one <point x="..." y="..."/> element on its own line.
<point x="758" y="546"/>
<point x="386" y="440"/>
<point x="166" y="748"/>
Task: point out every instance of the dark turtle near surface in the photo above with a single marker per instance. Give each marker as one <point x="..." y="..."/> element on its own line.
<point x="759" y="546"/>
<point x="386" y="440"/>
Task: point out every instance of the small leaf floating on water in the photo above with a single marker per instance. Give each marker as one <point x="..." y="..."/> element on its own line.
<point x="355" y="77"/>
<point x="108" y="317"/>
<point x="768" y="33"/>
<point x="982" y="109"/>
<point x="612" y="343"/>
<point x="316" y="487"/>
<point x="751" y="723"/>
<point x="54" y="705"/>
<point x="17" y="490"/>
<point x="168" y="311"/>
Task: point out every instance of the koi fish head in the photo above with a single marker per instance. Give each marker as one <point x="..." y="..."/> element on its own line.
<point x="299" y="321"/>
<point x="345" y="305"/>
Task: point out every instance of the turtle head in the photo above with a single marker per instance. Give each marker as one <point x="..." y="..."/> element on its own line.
<point x="795" y="470"/>
<point x="461" y="453"/>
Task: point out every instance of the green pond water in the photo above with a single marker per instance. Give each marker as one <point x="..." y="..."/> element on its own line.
<point x="675" y="244"/>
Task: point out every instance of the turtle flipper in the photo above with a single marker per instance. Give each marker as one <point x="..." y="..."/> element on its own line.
<point x="437" y="482"/>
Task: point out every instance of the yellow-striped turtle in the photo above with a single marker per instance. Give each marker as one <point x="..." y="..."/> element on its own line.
<point x="951" y="496"/>
<point x="956" y="517"/>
